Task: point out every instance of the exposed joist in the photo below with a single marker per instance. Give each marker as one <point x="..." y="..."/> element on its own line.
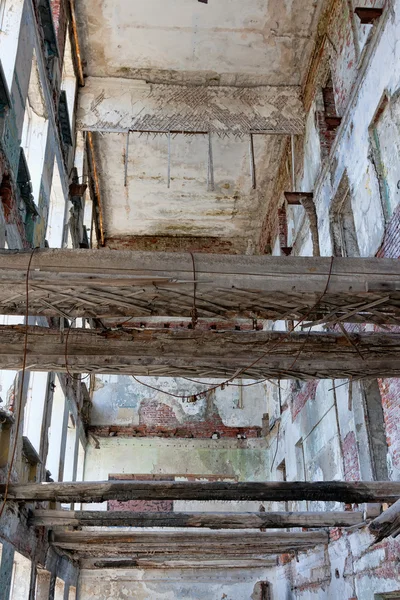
<point x="387" y="524"/>
<point x="110" y="283"/>
<point x="89" y="491"/>
<point x="170" y="352"/>
<point x="162" y="562"/>
<point x="368" y="14"/>
<point x="206" y="545"/>
<point x="260" y="520"/>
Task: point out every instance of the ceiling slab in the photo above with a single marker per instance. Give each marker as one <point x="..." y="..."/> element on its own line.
<point x="228" y="42"/>
<point x="138" y="202"/>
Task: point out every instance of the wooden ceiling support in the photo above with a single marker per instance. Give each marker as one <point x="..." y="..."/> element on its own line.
<point x="110" y="283"/>
<point x="171" y="352"/>
<point x="387" y="524"/>
<point x="258" y="520"/>
<point x="185" y="544"/>
<point x="163" y="562"/>
<point x="368" y="14"/>
<point x="295" y="198"/>
<point x="272" y="491"/>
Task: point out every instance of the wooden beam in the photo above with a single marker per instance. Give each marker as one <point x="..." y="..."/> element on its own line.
<point x="272" y="491"/>
<point x="110" y="283"/>
<point x="163" y="562"/>
<point x="174" y="353"/>
<point x="387" y="524"/>
<point x="295" y="198"/>
<point x="185" y="544"/>
<point x="264" y="520"/>
<point x="368" y="14"/>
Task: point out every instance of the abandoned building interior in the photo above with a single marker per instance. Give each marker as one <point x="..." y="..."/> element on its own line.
<point x="199" y="299"/>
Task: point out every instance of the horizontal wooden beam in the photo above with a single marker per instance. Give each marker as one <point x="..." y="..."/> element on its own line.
<point x="88" y="491"/>
<point x="368" y="14"/>
<point x="185" y="544"/>
<point x="170" y="352"/>
<point x="387" y="524"/>
<point x="259" y="520"/>
<point x="295" y="198"/>
<point x="158" y="562"/>
<point x="110" y="283"/>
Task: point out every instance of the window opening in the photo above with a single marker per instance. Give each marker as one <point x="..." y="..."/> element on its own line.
<point x="344" y="235"/>
<point x="376" y="430"/>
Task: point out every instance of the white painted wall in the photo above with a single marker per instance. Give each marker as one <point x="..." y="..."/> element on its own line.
<point x="188" y="584"/>
<point x="10" y="14"/>
<point x="57" y="211"/>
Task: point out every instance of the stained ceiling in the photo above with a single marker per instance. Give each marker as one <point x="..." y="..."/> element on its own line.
<point x="263" y="43"/>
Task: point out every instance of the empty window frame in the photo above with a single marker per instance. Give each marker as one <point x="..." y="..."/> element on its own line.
<point x="35" y="130"/>
<point x="34" y="408"/>
<point x="56" y="431"/>
<point x="343" y="229"/>
<point x="376" y="431"/>
<point x="56" y="233"/>
<point x="327" y="118"/>
<point x="69" y="465"/>
<point x="384" y="134"/>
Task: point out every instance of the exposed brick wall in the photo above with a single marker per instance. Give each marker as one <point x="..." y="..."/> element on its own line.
<point x="390" y="247"/>
<point x="390" y="392"/>
<point x="153" y="414"/>
<point x="59" y="11"/>
<point x="9" y="201"/>
<point x="300" y="398"/>
<point x="350" y="457"/>
<point x="327" y="110"/>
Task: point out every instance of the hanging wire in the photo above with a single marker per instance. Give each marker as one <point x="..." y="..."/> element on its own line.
<point x="257" y="360"/>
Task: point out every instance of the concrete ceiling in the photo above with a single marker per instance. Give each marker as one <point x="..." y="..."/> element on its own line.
<point x="145" y="206"/>
<point x="224" y="43"/>
<point x="232" y="42"/>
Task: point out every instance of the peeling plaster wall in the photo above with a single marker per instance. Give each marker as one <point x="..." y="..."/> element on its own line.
<point x="346" y="569"/>
<point x="120" y="401"/>
<point x="242" y="460"/>
<point x="322" y="431"/>
<point x="227" y="584"/>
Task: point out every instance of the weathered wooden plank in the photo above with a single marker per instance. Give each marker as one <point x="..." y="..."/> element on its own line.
<point x="165" y="561"/>
<point x="168" y="352"/>
<point x="324" y="491"/>
<point x="162" y="539"/>
<point x="109" y="283"/>
<point x="206" y="545"/>
<point x="388" y="523"/>
<point x="263" y="520"/>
